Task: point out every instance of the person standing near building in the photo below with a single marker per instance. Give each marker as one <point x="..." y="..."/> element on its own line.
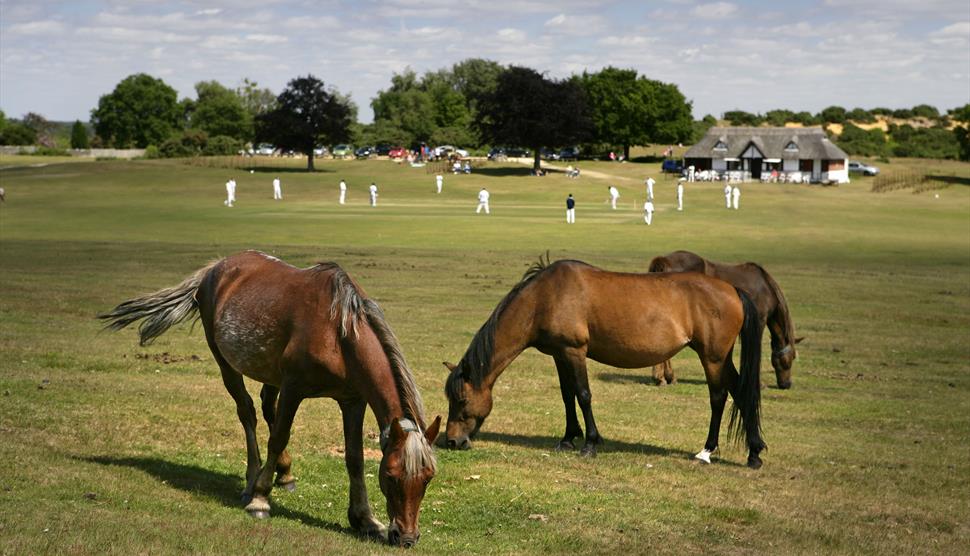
<point x="680" y="194"/>
<point x="648" y="211"/>
<point x="483" y="201"/>
<point x="690" y="172"/>
<point x="614" y="195"/>
<point x="570" y="209"/>
<point x="373" y="194"/>
<point x="727" y="194"/>
<point x="230" y="192"/>
<point x="650" y="182"/>
<point x="277" y="191"/>
<point x="343" y="191"/>
<point x="439" y="181"/>
<point x="736" y="193"/>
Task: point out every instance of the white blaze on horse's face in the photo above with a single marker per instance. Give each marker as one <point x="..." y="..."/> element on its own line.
<point x="406" y="470"/>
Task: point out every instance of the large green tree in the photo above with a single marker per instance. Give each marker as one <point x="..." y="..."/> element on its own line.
<point x="141" y="111"/>
<point x="529" y="110"/>
<point x="962" y="130"/>
<point x="79" y="136"/>
<point x="306" y="114"/>
<point x="220" y="111"/>
<point x="255" y="99"/>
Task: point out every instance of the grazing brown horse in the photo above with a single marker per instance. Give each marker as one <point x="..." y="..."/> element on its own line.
<point x="573" y="311"/>
<point x="766" y="295"/>
<point x="305" y="334"/>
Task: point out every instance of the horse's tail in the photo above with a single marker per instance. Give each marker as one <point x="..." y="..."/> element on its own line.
<point x="160" y="310"/>
<point x="747" y="394"/>
<point x="352" y="305"/>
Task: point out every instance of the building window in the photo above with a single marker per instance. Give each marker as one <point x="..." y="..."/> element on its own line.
<point x="791" y="147"/>
<point x="720" y="146"/>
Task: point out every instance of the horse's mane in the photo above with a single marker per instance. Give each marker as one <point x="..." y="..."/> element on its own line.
<point x="478" y="357"/>
<point x="353" y="305"/>
<point x="781" y="308"/>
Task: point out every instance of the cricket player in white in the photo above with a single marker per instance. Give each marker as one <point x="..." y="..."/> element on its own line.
<point x="736" y="193"/>
<point x="482" y="201"/>
<point x="277" y="192"/>
<point x="439" y="180"/>
<point x="373" y="194"/>
<point x="343" y="191"/>
<point x="648" y="211"/>
<point x="650" y="182"/>
<point x="230" y="192"/>
<point x="614" y="195"/>
<point x="680" y="194"/>
<point x="727" y="195"/>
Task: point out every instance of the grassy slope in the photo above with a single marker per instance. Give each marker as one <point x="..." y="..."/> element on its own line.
<point x="867" y="452"/>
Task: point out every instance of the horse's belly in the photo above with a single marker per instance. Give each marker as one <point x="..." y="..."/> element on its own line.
<point x="252" y="346"/>
<point x="626" y="358"/>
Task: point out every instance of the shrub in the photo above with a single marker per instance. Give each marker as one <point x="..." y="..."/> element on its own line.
<point x="221" y="145"/>
<point x="151" y="151"/>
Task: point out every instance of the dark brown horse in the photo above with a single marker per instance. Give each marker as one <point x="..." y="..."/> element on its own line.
<point x="766" y="295"/>
<point x="305" y="334"/>
<point x="573" y="311"/>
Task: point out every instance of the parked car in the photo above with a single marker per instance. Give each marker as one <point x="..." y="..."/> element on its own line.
<point x="671" y="166"/>
<point x="497" y="153"/>
<point x="548" y="154"/>
<point x="569" y="153"/>
<point x="382" y="150"/>
<point x="364" y="152"/>
<point x="342" y="151"/>
<point x="265" y="149"/>
<point x="518" y="152"/>
<point x="447" y="150"/>
<point x="320" y="151"/>
<point x="397" y="152"/>
<point x="862" y="168"/>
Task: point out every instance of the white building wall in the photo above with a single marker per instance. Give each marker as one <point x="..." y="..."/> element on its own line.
<point x="718" y="164"/>
<point x="788" y="165"/>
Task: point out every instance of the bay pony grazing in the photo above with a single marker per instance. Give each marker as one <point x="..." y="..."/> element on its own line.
<point x="765" y="293"/>
<point x="305" y="334"/>
<point x="574" y="311"/>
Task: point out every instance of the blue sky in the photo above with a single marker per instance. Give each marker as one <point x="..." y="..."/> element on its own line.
<point x="58" y="57"/>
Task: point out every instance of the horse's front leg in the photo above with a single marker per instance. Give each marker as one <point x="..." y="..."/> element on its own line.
<point x="359" y="512"/>
<point x="289" y="401"/>
<point x="284" y="474"/>
<point x="567" y="385"/>
<point x="575" y="358"/>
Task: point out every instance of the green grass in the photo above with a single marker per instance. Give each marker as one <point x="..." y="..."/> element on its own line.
<point x="123" y="450"/>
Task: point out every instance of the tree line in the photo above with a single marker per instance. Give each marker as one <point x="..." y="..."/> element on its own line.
<point x="475" y="103"/>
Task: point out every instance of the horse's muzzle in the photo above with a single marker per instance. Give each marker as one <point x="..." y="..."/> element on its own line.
<point x="395" y="538"/>
<point x="462" y="443"/>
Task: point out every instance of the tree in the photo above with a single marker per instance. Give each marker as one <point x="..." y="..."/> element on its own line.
<point x="832" y="115"/>
<point x="857" y="141"/>
<point x="962" y="130"/>
<point x="529" y="110"/>
<point x="627" y="109"/>
<point x="254" y="99"/>
<point x="141" y="111"/>
<point x="306" y="114"/>
<point x="926" y="111"/>
<point x="16" y="133"/>
<point x="924" y="142"/>
<point x="406" y="107"/>
<point x="43" y="129"/>
<point x="805" y="118"/>
<point x="860" y="116"/>
<point x="779" y="117"/>
<point x="219" y="111"/>
<point x="79" y="136"/>
<point x="701" y="126"/>
<point x="742" y="118"/>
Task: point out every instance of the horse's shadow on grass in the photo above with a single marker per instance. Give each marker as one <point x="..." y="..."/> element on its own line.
<point x="547" y="443"/>
<point x="504" y="171"/>
<point x="221" y="487"/>
<point x="645" y="379"/>
<point x="953" y="180"/>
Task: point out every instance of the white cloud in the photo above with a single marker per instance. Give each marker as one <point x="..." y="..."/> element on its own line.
<point x="510" y="34"/>
<point x="266" y="39"/>
<point x="715" y="10"/>
<point x="959" y="30"/>
<point x="556" y="21"/>
<point x="37" y="28"/>
<point x="209" y="11"/>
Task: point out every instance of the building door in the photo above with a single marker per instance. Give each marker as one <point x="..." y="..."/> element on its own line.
<point x="755" y="168"/>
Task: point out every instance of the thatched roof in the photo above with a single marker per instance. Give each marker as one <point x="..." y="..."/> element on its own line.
<point x="811" y="143"/>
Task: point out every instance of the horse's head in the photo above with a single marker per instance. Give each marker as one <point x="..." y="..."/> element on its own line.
<point x="782" y="360"/>
<point x="659" y="264"/>
<point x="468" y="407"/>
<point x="406" y="469"/>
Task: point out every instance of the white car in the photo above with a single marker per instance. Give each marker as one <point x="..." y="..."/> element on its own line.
<point x="445" y="150"/>
<point x="861" y="168"/>
<point x="265" y="149"/>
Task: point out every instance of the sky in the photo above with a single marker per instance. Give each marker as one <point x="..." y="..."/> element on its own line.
<point x="57" y="58"/>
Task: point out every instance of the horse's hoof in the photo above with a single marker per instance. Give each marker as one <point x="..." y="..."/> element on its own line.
<point x="259" y="514"/>
<point x="588" y="452"/>
<point x="754" y="462"/>
<point x="704" y="455"/>
<point x="565" y="446"/>
<point x="288" y="486"/>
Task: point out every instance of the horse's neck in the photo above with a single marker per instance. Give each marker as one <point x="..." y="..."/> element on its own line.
<point x="380" y="390"/>
<point x="511" y="339"/>
<point x="779" y="326"/>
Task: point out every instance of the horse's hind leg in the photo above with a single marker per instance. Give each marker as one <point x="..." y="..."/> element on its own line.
<point x="284" y="476"/>
<point x="279" y="436"/>
<point x="720" y="375"/>
<point x="567" y="385"/>
<point x="359" y="512"/>
<point x="247" y="416"/>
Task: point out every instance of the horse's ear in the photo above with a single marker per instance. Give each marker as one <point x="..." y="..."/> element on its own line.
<point x="799" y="340"/>
<point x="431" y="433"/>
<point x="451" y="367"/>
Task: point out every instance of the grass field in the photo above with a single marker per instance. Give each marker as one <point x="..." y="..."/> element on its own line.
<point x="113" y="448"/>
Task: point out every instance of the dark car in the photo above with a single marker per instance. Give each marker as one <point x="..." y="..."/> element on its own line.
<point x="548" y="154"/>
<point x="671" y="166"/>
<point x="364" y="152"/>
<point x="569" y="153"/>
<point x="382" y="150"/>
<point x="517" y="152"/>
<point x="497" y="153"/>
